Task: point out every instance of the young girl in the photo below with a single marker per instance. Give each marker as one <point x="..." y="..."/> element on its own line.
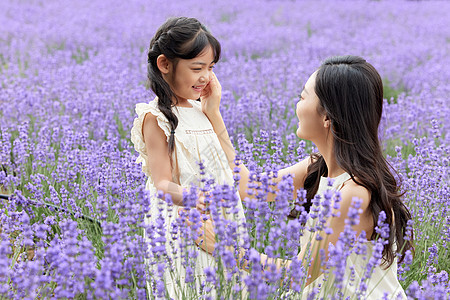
<point x="172" y="136"/>
<point x="340" y="111"/>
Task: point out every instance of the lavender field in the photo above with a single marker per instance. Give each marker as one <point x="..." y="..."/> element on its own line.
<point x="71" y="73"/>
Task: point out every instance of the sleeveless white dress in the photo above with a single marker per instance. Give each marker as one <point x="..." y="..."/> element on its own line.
<point x="195" y="141"/>
<point x="382" y="280"/>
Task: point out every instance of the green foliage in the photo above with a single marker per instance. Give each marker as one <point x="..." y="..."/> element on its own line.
<point x="309" y="31"/>
<point x="80" y="55"/>
<point x="3" y="63"/>
<point x="391" y="93"/>
<point x="406" y="149"/>
<point x="226" y="18"/>
<point x="52" y="48"/>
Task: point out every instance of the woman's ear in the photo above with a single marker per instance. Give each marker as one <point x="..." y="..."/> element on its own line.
<point x="163" y="64"/>
<point x="326" y="122"/>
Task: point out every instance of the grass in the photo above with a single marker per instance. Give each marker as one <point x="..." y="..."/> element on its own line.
<point x="80" y="55"/>
<point x="391" y="93"/>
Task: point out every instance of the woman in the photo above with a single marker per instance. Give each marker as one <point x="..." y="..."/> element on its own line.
<point x="339" y="111"/>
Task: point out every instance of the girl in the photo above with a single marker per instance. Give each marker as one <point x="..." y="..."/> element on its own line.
<point x="172" y="136"/>
<point x="339" y="111"/>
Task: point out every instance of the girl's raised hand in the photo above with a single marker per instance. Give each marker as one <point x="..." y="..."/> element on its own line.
<point x="211" y="96"/>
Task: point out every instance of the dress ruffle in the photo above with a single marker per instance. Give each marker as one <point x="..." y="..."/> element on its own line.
<point x="138" y="139"/>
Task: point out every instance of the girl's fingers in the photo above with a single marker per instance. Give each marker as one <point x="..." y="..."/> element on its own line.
<point x="211" y="82"/>
<point x="180" y="210"/>
<point x="211" y="86"/>
<point x="216" y="81"/>
<point x="207" y="90"/>
<point x="201" y="205"/>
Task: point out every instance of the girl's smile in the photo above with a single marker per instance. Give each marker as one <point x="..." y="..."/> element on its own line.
<point x="199" y="88"/>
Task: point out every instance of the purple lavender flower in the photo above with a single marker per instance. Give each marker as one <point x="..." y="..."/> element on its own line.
<point x="66" y="108"/>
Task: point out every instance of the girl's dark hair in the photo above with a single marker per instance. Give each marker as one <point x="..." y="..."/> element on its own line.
<point x="350" y="92"/>
<point x="178" y="38"/>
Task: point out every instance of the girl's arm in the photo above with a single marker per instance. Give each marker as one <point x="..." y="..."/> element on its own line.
<point x="210" y="106"/>
<point x="222" y="133"/>
<point x="159" y="160"/>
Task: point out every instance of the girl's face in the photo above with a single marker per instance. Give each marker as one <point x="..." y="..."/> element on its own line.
<point x="192" y="75"/>
<point x="311" y="122"/>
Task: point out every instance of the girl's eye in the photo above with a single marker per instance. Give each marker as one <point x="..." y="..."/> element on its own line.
<point x="197" y="69"/>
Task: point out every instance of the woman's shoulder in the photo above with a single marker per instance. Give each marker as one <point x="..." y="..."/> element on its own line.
<point x="351" y="189"/>
<point x="357" y="196"/>
<point x="354" y="183"/>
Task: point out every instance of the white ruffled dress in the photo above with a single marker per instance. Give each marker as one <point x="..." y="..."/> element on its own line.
<point x="195" y="140"/>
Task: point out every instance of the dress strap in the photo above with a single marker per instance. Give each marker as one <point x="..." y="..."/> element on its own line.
<point x="340" y="180"/>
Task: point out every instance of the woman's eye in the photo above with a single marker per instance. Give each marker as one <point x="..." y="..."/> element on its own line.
<point x="197" y="69"/>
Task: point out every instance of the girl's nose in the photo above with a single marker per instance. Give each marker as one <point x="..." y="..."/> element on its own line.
<point x="206" y="75"/>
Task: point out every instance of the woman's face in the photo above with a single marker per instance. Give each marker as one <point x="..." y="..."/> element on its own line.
<point x="192" y="75"/>
<point x="311" y="122"/>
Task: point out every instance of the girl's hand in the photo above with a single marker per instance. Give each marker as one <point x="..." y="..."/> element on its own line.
<point x="207" y="237"/>
<point x="201" y="203"/>
<point x="211" y="96"/>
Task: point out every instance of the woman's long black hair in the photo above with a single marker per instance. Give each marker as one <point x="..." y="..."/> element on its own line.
<point x="178" y="38"/>
<point x="350" y="92"/>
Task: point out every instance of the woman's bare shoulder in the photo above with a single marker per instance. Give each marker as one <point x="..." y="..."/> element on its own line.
<point x="351" y="189"/>
<point x="350" y="192"/>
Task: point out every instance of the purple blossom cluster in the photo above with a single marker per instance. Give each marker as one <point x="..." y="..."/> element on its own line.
<point x="73" y="222"/>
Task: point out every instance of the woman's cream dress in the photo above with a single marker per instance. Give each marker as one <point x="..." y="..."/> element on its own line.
<point x="381" y="281"/>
